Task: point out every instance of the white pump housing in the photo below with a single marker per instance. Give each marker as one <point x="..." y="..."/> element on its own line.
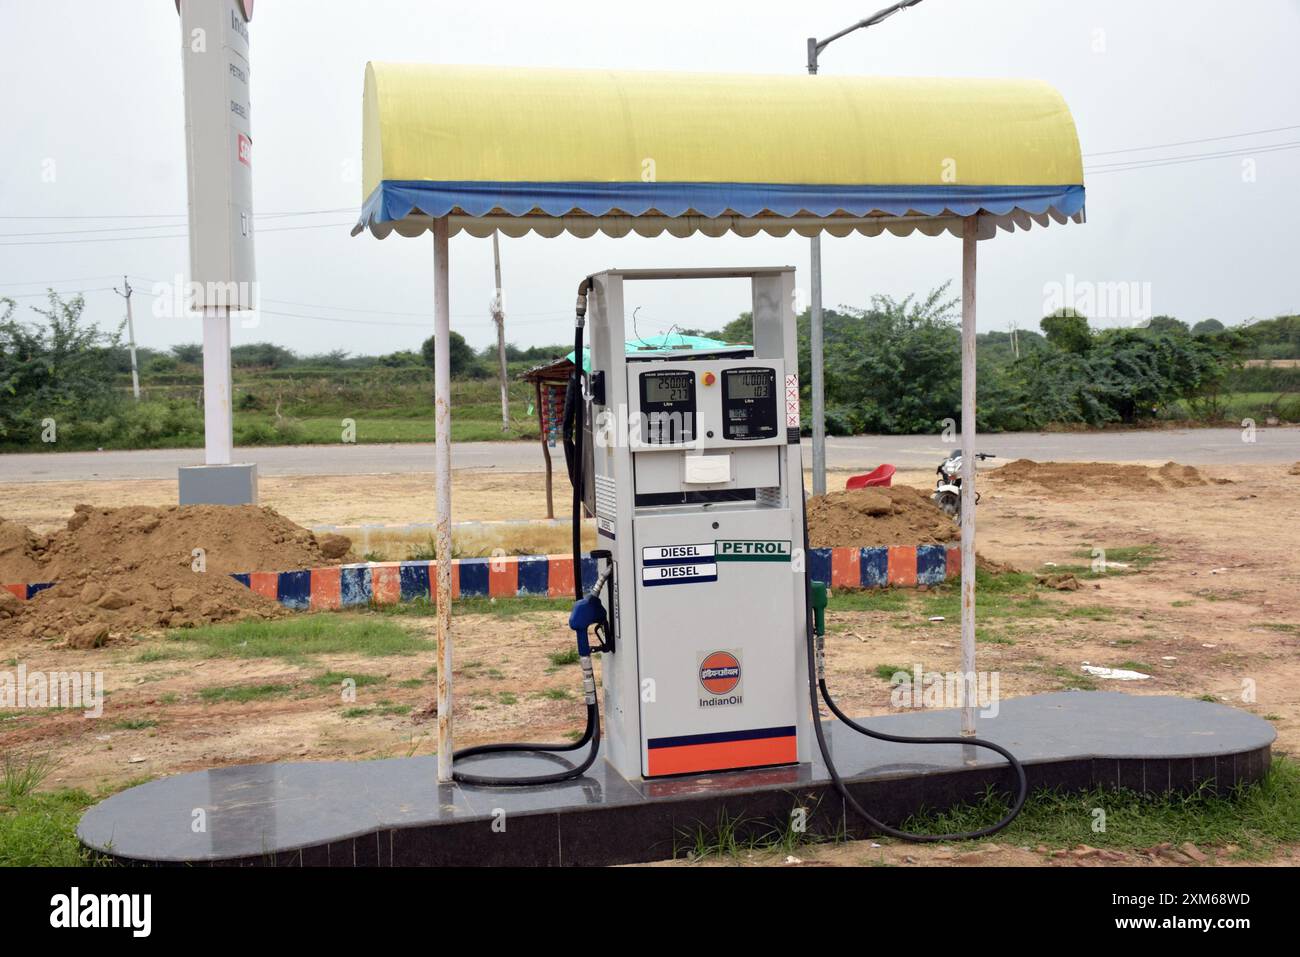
<point x="697" y="492"/>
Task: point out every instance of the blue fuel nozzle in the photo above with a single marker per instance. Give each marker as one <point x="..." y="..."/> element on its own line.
<point x="587" y="612"/>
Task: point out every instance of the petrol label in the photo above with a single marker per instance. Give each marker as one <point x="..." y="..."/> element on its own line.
<point x="752" y="550"/>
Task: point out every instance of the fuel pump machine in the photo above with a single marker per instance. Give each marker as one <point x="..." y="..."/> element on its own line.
<point x="709" y="624"/>
<point x="696" y="487"/>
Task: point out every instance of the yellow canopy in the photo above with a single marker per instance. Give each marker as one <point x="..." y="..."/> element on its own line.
<point x="617" y="151"/>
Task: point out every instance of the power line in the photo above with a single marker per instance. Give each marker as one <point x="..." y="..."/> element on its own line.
<point x="298" y="212"/>
<point x="53" y="282"/>
<point x="1179" y="160"/>
<point x="1207" y="139"/>
<point x="126" y="239"/>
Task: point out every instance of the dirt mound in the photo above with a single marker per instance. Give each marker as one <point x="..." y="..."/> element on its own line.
<point x="129" y="570"/>
<point x="1100" y="476"/>
<point x="19" y="553"/>
<point x="899" y="515"/>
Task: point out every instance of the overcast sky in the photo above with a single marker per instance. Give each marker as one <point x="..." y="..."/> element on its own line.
<point x="95" y="105"/>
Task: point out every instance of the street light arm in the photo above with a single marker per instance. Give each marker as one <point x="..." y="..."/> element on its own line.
<point x="816" y="46"/>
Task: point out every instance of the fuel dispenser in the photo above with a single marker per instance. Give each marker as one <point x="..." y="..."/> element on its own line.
<point x="708" y="622"/>
<point x="697" y="490"/>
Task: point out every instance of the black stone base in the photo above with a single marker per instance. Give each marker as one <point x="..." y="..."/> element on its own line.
<point x="394" y="813"/>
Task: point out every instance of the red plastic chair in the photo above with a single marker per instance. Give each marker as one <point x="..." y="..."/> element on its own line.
<point x="882" y="476"/>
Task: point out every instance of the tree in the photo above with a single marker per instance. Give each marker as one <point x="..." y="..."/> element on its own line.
<point x="263" y="355"/>
<point x="1167" y="324"/>
<point x="61" y="371"/>
<point x="464" y="363"/>
<point x="894" y="367"/>
<point x="190" y="353"/>
<point x="1067" y="330"/>
<point x="1207" y="327"/>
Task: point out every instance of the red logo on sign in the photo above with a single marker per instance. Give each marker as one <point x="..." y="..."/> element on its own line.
<point x="720" y="672"/>
<point x="245" y="151"/>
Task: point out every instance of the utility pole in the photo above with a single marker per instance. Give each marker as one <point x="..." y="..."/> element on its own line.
<point x="499" y="317"/>
<point x="818" y="383"/>
<point x="125" y="293"/>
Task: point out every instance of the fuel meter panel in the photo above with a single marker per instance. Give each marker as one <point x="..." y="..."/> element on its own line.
<point x="668" y="406"/>
<point x="749" y="397"/>
<point x="706" y="403"/>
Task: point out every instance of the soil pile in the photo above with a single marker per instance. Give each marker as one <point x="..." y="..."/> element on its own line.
<point x="19" y="553"/>
<point x="1100" y="476"/>
<point x="898" y="515"/>
<point x="129" y="570"/>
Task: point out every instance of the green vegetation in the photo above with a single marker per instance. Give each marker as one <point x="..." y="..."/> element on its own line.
<point x="300" y="636"/>
<point x="1257" y="818"/>
<point x="335" y="679"/>
<point x="242" y="693"/>
<point x="729" y="837"/>
<point x="892" y="366"/>
<point x="383" y="710"/>
<point x="887" y="672"/>
<point x="134" y="724"/>
<point x="569" y="656"/>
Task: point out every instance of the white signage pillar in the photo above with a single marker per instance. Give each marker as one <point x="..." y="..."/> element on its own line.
<point x="219" y="157"/>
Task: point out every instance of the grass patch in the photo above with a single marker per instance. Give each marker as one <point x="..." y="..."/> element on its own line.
<point x="335" y="679"/>
<point x="729" y="837"/>
<point x="242" y="693"/>
<point x="382" y="710"/>
<point x="569" y="656"/>
<point x="38" y="830"/>
<point x="1070" y="680"/>
<point x="557" y="694"/>
<point x="300" y="636"/>
<point x="133" y="724"/>
<point x="508" y="698"/>
<point x="1258" y="818"/>
<point x="495" y="607"/>
<point x="887" y="672"/>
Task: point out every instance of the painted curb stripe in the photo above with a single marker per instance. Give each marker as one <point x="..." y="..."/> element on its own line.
<point x="385" y="583"/>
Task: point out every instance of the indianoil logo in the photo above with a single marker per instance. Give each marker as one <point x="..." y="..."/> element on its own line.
<point x="720" y="673"/>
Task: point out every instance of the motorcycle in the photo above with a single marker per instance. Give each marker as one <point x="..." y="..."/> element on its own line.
<point x="947" y="490"/>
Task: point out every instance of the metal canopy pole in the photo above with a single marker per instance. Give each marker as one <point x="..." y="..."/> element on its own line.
<point x="970" y="226"/>
<point x="442" y="486"/>
<point x="499" y="317"/>
<point x="818" y="384"/>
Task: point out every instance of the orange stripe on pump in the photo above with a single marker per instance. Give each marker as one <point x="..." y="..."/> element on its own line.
<point x="696" y="758"/>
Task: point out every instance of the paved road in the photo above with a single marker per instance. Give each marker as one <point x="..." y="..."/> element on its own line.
<point x="1188" y="446"/>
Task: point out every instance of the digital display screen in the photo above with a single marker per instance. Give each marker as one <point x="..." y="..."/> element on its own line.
<point x="668" y="388"/>
<point x="750" y="385"/>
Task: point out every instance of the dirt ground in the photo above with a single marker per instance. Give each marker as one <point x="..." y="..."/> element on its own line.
<point x="1216" y="612"/>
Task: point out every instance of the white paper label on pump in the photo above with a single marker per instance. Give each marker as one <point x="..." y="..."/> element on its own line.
<point x="792" y="401"/>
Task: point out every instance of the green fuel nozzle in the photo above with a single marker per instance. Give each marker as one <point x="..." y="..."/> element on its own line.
<point x="820" y="599"/>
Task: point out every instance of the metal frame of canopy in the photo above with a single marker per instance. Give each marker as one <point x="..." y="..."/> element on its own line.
<point x="425" y="111"/>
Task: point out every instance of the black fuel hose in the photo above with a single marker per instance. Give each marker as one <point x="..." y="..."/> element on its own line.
<point x="818" y="684"/>
<point x="571" y="434"/>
